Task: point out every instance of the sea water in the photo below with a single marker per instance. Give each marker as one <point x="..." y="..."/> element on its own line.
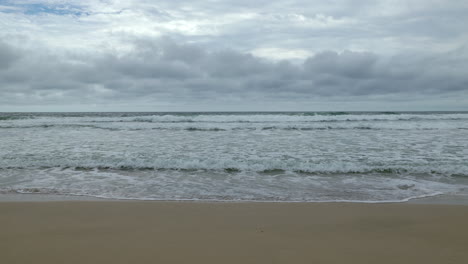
<point x="282" y="156"/>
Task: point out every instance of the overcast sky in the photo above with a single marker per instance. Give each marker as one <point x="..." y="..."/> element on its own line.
<point x="212" y="55"/>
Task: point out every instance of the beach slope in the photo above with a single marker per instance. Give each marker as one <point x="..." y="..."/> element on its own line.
<point x="186" y="232"/>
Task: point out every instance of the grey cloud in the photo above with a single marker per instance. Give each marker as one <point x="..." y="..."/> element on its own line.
<point x="7" y="55"/>
<point x="162" y="70"/>
<point x="350" y="64"/>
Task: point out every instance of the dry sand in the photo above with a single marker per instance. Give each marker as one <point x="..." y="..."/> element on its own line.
<point x="183" y="232"/>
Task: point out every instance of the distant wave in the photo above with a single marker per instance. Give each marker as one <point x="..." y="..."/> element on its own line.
<point x="286" y="118"/>
<point x="12" y="117"/>
<point x="232" y="118"/>
<point x="266" y="127"/>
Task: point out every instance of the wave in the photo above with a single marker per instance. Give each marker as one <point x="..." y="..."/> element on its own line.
<point x="13" y="117"/>
<point x="231" y="187"/>
<point x="208" y="166"/>
<point x="233" y="127"/>
<point x="81" y="195"/>
<point x="281" y="118"/>
<point x="58" y="126"/>
<point x="237" y="118"/>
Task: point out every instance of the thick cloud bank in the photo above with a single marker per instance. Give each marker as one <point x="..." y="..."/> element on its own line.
<point x="145" y="55"/>
<point x="163" y="71"/>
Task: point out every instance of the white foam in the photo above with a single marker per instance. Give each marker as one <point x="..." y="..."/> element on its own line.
<point x="243" y="121"/>
<point x="150" y="185"/>
<point x="237" y="118"/>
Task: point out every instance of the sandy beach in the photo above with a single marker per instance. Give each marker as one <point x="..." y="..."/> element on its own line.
<point x="191" y="232"/>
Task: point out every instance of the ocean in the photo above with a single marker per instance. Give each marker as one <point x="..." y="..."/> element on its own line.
<point x="245" y="156"/>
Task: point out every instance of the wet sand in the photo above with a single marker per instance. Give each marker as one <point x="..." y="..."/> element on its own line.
<point x="190" y="232"/>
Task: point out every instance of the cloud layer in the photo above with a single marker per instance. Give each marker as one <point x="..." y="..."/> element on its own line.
<point x="109" y="55"/>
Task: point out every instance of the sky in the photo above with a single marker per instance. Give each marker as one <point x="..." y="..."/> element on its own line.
<point x="243" y="55"/>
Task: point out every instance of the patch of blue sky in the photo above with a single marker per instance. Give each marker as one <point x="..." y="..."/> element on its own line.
<point x="37" y="8"/>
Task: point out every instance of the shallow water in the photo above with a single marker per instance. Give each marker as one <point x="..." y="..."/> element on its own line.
<point x="358" y="156"/>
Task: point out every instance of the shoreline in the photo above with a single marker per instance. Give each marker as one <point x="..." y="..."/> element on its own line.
<point x="447" y="199"/>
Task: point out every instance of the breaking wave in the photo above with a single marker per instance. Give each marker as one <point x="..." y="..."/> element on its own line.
<point x="240" y="117"/>
<point x="256" y="166"/>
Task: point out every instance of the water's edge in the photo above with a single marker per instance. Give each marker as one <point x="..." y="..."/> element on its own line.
<point x="441" y="199"/>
